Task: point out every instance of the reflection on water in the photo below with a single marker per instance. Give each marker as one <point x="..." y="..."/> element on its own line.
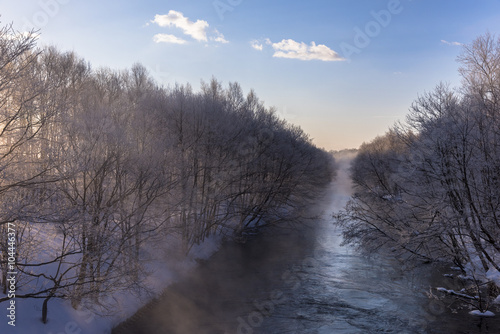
<point x="303" y="281"/>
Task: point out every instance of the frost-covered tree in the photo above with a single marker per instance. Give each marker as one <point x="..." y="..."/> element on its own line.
<point x="101" y="166"/>
<point x="429" y="188"/>
<point x="26" y="110"/>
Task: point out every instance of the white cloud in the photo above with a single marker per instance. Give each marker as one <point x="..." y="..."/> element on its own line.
<point x="197" y="30"/>
<point x="289" y="48"/>
<point x="451" y="43"/>
<point x="257" y="45"/>
<point x="166" y="38"/>
<point x="219" y="37"/>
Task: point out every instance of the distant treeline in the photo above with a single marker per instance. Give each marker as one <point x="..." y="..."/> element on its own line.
<point x="95" y="163"/>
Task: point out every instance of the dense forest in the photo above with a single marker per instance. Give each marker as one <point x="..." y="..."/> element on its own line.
<point x="429" y="189"/>
<point x="97" y="163"/>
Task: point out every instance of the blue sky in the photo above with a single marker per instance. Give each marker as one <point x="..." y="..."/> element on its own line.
<point x="306" y="58"/>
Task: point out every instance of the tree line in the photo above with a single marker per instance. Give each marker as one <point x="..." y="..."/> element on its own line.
<point x="96" y="164"/>
<point x="429" y="188"/>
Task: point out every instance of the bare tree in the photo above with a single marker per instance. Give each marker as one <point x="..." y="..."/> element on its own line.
<point x="97" y="163"/>
<point x="429" y="188"/>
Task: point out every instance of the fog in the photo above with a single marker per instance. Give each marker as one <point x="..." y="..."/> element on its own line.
<point x="299" y="279"/>
<point x="242" y="283"/>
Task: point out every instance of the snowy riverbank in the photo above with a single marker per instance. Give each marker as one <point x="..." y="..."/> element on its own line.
<point x="166" y="266"/>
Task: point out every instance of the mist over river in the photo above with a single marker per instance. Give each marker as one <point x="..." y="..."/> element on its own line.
<point x="300" y="280"/>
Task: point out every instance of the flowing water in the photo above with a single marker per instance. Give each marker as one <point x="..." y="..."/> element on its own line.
<point x="301" y="280"/>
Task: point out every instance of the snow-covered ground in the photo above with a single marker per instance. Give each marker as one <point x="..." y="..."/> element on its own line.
<point x="474" y="272"/>
<point x="166" y="266"/>
<point x="482" y="314"/>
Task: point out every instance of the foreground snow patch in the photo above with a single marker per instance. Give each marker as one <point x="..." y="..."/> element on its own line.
<point x="482" y="314"/>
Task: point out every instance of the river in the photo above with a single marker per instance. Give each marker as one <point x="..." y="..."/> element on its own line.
<point x="301" y="280"/>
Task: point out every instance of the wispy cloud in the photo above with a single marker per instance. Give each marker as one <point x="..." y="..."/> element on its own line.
<point x="219" y="37"/>
<point x="257" y="45"/>
<point x="197" y="30"/>
<point x="166" y="38"/>
<point x="289" y="48"/>
<point x="451" y="43"/>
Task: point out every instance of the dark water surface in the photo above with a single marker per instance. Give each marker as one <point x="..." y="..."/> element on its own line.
<point x="302" y="281"/>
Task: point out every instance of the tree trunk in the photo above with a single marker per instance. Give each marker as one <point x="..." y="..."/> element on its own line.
<point x="44" y="309"/>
